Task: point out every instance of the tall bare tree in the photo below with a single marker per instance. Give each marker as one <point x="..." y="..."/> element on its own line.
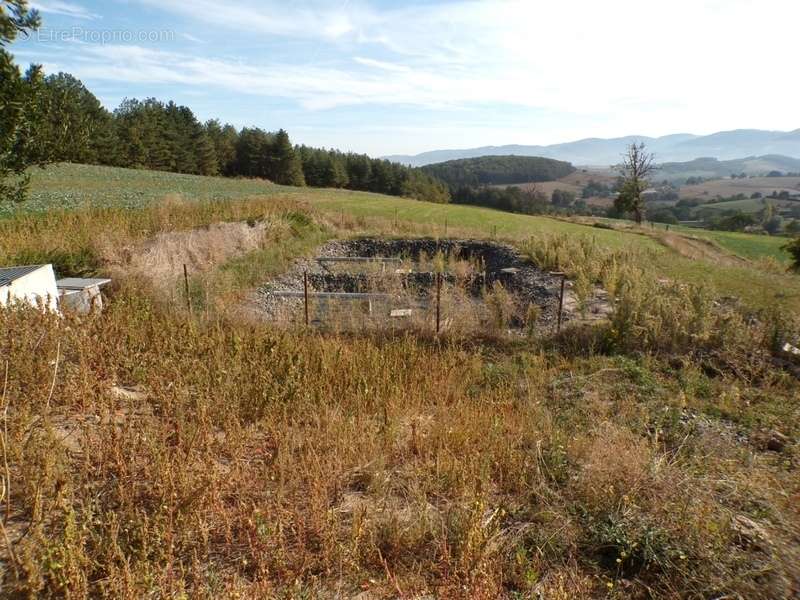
<point x="637" y="165"/>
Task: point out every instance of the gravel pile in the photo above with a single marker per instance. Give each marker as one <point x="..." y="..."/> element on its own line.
<point x="527" y="283"/>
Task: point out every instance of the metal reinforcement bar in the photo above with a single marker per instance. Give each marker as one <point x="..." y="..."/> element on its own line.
<point x="332" y="295"/>
<point x="377" y="259"/>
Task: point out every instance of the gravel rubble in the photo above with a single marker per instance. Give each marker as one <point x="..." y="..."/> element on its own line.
<point x="527" y="283"/>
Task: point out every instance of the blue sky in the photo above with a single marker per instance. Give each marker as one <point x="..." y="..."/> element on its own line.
<point x="404" y="77"/>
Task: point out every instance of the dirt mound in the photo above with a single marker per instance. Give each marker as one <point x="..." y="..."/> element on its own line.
<point x="161" y="258"/>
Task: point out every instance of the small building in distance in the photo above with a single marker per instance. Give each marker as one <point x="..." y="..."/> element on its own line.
<point x="31" y="284"/>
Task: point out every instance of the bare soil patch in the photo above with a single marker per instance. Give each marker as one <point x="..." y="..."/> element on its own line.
<point x="161" y="258"/>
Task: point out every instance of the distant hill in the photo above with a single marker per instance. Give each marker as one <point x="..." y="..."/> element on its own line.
<point x="498" y="170"/>
<point x="724" y="145"/>
<point x="711" y="167"/>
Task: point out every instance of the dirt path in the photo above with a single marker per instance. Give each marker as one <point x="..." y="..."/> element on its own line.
<point x="696" y="248"/>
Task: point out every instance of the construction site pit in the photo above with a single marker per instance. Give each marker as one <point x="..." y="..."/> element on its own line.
<point x="370" y="283"/>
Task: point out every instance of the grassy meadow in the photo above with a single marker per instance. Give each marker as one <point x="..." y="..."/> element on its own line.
<point x="760" y="280"/>
<point x="156" y="451"/>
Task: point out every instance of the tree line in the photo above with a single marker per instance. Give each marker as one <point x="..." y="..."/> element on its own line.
<point x="73" y="126"/>
<point x="498" y="170"/>
<point x="55" y="118"/>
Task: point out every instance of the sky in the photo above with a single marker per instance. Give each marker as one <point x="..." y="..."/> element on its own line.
<point x="386" y="77"/>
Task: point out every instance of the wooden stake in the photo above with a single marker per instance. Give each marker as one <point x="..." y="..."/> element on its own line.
<point x="561" y="296"/>
<point x="186" y="285"/>
<point x="438" y="302"/>
<point x="305" y="295"/>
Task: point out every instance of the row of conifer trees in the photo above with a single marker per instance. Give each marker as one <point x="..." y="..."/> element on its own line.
<point x="70" y="124"/>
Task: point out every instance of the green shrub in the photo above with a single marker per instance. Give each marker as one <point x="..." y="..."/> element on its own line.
<point x="793" y="248"/>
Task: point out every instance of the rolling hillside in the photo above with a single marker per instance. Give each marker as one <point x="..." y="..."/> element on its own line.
<point x="92" y="186"/>
<point x="711" y="167"/>
<point x="724" y="145"/>
<point x="574" y="182"/>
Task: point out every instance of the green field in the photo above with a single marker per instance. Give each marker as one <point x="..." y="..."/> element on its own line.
<point x="745" y="245"/>
<point x="74" y="186"/>
<point x="67" y="186"/>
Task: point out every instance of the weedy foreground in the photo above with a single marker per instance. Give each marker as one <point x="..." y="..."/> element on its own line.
<point x="154" y="451"/>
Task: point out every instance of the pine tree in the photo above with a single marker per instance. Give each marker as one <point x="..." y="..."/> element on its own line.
<point x="206" y="154"/>
<point x="105" y="144"/>
<point x="285" y="167"/>
<point x="224" y="141"/>
<point x="359" y="172"/>
<point x="74" y="125"/>
<point x="19" y="98"/>
<point x="335" y="171"/>
<point x="252" y="152"/>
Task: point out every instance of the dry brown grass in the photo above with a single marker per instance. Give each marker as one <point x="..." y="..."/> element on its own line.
<point x="255" y="462"/>
<point x="161" y="258"/>
<point x="86" y="236"/>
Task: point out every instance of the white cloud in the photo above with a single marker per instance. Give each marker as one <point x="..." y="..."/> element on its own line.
<point x="191" y="38"/>
<point x="315" y="19"/>
<point x="571" y="55"/>
<point x="379" y="64"/>
<point x="579" y="67"/>
<point x="69" y="9"/>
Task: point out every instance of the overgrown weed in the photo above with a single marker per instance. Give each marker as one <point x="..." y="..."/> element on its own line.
<point x="153" y="452"/>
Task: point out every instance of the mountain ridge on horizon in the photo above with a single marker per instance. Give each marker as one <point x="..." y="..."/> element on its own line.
<point x="593" y="151"/>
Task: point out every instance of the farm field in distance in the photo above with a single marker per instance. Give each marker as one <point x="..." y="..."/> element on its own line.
<point x="179" y="443"/>
<point x="725" y="188"/>
<point x="750" y="205"/>
<point x="574" y="182"/>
